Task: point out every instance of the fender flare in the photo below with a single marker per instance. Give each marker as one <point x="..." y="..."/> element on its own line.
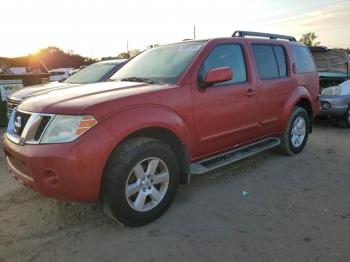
<point x="298" y="94"/>
<point x="125" y="122"/>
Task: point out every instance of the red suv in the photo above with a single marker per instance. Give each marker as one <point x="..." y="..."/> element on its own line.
<point x="172" y="111"/>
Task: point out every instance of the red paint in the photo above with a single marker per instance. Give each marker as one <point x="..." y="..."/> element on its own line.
<point x="218" y="75"/>
<point x="207" y="120"/>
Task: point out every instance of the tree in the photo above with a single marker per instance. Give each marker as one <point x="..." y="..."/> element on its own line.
<point x="128" y="55"/>
<point x="123" y="55"/>
<point x="309" y="39"/>
<point x="108" y="58"/>
<point x="54" y="57"/>
<point x="154" y="45"/>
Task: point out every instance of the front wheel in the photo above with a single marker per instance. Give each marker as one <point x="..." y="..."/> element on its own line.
<point x="297" y="132"/>
<point x="140" y="181"/>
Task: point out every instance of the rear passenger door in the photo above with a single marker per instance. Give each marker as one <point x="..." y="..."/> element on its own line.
<point x="225" y="114"/>
<point x="274" y="82"/>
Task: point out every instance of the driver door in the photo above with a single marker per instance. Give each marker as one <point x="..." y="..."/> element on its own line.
<point x="225" y="114"/>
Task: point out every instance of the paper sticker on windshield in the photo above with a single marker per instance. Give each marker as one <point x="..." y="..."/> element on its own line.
<point x="190" y="48"/>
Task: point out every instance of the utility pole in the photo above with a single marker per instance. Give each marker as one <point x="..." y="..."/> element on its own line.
<point x="194" y="32"/>
<point x="127" y="46"/>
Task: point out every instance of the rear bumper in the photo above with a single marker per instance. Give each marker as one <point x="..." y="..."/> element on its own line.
<point x="334" y="105"/>
<point x="69" y="172"/>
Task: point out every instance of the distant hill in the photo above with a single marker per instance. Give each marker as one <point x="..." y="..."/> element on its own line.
<point x="47" y="58"/>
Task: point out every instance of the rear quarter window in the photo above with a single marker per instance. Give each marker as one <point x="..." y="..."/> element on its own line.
<point x="303" y="60"/>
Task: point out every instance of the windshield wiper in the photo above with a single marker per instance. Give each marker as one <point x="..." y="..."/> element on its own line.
<point x="138" y="79"/>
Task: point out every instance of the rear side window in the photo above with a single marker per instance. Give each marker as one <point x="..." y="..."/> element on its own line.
<point x="270" y="61"/>
<point x="281" y="60"/>
<point x="303" y="60"/>
<point x="226" y="56"/>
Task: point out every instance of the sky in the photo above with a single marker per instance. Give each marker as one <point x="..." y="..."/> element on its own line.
<point x="98" y="28"/>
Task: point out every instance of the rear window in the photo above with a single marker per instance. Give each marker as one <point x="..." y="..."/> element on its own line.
<point x="303" y="60"/>
<point x="270" y="60"/>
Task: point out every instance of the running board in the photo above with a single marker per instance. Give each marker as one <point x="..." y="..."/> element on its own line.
<point x="234" y="155"/>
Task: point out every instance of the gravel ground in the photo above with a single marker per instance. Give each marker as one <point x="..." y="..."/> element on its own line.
<point x="298" y="209"/>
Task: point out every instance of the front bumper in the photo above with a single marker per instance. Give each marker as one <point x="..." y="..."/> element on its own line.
<point x="334" y="105"/>
<point x="69" y="172"/>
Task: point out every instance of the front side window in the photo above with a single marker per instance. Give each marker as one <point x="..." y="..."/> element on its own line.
<point x="226" y="56"/>
<point x="303" y="60"/>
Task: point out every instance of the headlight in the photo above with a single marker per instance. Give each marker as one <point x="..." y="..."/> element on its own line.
<point x="66" y="128"/>
<point x="331" y="91"/>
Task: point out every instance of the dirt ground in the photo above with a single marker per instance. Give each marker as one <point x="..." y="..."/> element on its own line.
<point x="298" y="209"/>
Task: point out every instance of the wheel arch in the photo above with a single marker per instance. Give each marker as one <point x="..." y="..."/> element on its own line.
<point x="170" y="138"/>
<point x="302" y="98"/>
<point x="306" y="104"/>
<point x="153" y="122"/>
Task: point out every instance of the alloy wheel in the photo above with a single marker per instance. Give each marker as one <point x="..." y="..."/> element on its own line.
<point x="298" y="131"/>
<point x="147" y="184"/>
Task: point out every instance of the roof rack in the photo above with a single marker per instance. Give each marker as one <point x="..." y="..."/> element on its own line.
<point x="258" y="34"/>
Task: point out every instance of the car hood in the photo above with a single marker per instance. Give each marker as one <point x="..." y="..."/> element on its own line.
<point x="27" y="92"/>
<point x="331" y="74"/>
<point x="87" y="99"/>
<point x="332" y="60"/>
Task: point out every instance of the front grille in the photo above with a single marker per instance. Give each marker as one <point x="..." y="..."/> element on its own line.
<point x="11" y="105"/>
<point x="21" y="120"/>
<point x="34" y="123"/>
<point x="44" y="121"/>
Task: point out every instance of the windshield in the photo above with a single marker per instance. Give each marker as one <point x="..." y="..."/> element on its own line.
<point x="90" y="74"/>
<point x="163" y="64"/>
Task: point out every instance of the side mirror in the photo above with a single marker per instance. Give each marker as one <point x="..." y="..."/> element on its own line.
<point x="218" y="75"/>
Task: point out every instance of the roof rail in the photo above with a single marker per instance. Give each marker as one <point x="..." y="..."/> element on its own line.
<point x="258" y="34"/>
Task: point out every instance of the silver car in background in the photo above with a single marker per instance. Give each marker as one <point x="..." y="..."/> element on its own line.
<point x="97" y="72"/>
<point x="334" y="71"/>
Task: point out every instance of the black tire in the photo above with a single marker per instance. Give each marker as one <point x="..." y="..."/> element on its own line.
<point x="286" y="147"/>
<point x="115" y="178"/>
<point x="345" y="121"/>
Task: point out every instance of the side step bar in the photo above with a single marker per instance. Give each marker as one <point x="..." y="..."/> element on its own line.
<point x="234" y="155"/>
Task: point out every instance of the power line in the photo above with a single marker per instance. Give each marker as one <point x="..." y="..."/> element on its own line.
<point x="308" y="17"/>
<point x="329" y="29"/>
<point x="345" y="44"/>
<point x="290" y="14"/>
<point x="335" y="40"/>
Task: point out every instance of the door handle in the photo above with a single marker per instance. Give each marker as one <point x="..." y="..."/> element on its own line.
<point x="250" y="93"/>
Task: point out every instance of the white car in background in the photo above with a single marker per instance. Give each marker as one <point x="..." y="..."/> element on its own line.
<point x="59" y="74"/>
